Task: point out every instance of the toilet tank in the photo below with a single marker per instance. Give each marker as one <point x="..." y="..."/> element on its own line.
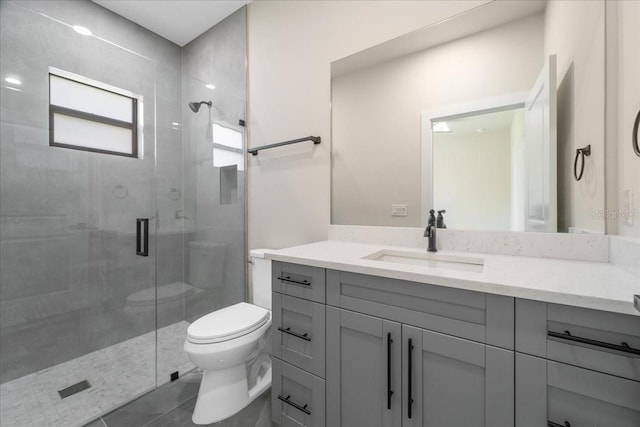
<point x="206" y="264"/>
<point x="261" y="278"/>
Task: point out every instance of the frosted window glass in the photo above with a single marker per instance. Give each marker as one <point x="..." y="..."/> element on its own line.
<point x="81" y="97"/>
<point x="222" y="158"/>
<point x="89" y="134"/>
<point x="226" y="136"/>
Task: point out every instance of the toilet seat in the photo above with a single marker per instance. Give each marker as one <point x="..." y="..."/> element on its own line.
<point x="228" y="323"/>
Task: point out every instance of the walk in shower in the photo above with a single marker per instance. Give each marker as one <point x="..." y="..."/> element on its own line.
<point x="97" y="139"/>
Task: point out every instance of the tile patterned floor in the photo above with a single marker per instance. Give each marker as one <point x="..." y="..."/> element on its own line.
<point x="117" y="374"/>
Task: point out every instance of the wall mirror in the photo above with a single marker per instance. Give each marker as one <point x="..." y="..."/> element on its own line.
<point x="481" y="115"/>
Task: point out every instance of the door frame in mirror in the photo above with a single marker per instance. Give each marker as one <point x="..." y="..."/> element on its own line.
<point x="427" y="118"/>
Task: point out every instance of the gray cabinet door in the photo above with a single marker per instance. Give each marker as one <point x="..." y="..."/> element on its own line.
<point x="453" y="382"/>
<point x="552" y="392"/>
<point x="363" y="370"/>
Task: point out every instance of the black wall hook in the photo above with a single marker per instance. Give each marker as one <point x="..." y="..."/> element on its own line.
<point x="635" y="135"/>
<point x="580" y="154"/>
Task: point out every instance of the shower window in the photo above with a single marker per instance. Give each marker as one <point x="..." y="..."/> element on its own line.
<point x="88" y="115"/>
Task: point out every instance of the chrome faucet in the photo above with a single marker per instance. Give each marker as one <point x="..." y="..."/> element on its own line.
<point x="430" y="232"/>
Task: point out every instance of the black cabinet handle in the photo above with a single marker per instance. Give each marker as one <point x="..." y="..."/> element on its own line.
<point x="552" y="424"/>
<point x="409" y="378"/>
<point x="566" y="335"/>
<point x="634" y="138"/>
<point x="288" y="279"/>
<point x="290" y="332"/>
<point x="142" y="236"/>
<point x="389" y="391"/>
<point x="295" y="405"/>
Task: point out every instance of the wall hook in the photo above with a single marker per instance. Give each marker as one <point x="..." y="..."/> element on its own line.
<point x="634" y="137"/>
<point x="580" y="154"/>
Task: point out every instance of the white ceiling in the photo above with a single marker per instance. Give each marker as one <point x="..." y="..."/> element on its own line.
<point x="177" y="20"/>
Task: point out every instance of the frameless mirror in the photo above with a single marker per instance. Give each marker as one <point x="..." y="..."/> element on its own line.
<point x="480" y="115"/>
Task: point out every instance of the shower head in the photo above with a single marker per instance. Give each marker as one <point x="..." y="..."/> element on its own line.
<point x="195" y="106"/>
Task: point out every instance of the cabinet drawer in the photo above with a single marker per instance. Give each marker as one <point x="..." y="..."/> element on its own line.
<point x="552" y="392"/>
<point x="297" y="397"/>
<point x="299" y="336"/>
<point x="472" y="315"/>
<point x="597" y="340"/>
<point x="300" y="281"/>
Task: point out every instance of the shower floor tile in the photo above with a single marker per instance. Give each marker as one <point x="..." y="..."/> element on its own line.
<point x="117" y="374"/>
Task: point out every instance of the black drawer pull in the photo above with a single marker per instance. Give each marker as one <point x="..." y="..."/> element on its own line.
<point x="290" y="332"/>
<point x="566" y="335"/>
<point x="288" y="279"/>
<point x="295" y="405"/>
<point x="409" y="378"/>
<point x="552" y="424"/>
<point x="389" y="391"/>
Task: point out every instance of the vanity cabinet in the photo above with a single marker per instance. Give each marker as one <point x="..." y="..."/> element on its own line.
<point x="550" y="393"/>
<point x="382" y="373"/>
<point x="355" y="350"/>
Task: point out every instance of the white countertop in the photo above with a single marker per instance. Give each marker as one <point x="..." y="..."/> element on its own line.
<point x="596" y="285"/>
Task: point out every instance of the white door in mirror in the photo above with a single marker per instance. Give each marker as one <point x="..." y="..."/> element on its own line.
<point x="540" y="190"/>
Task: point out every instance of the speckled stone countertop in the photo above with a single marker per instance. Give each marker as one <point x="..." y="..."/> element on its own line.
<point x="589" y="284"/>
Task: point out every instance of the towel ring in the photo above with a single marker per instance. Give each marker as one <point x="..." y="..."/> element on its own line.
<point x="580" y="154"/>
<point x="635" y="135"/>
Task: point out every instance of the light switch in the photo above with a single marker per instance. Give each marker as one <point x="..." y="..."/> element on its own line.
<point x="398" y="210"/>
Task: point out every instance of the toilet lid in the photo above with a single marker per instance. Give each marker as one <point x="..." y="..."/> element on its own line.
<point x="227" y="323"/>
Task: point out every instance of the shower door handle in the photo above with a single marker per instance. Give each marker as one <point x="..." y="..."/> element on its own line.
<point x="142" y="236"/>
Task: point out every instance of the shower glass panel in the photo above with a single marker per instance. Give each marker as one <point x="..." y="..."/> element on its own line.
<point x="213" y="138"/>
<point x="214" y="176"/>
<point x="76" y="303"/>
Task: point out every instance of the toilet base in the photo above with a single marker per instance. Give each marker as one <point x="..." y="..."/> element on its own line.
<point x="225" y="392"/>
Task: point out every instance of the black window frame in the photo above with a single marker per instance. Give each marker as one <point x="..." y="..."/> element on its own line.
<point x="133" y="126"/>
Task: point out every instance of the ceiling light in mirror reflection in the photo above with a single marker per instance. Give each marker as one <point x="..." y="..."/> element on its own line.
<point x="440" y="127"/>
<point x="15" y="89"/>
<point x="82" y="30"/>
<point x="210" y="86"/>
<point x="13" y="81"/>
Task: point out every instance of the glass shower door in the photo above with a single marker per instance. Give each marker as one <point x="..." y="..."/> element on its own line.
<point x="77" y="305"/>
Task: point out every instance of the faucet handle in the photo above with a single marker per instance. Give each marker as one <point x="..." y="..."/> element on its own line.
<point x="440" y="222"/>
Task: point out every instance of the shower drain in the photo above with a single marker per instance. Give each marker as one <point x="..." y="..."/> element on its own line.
<point x="73" y="389"/>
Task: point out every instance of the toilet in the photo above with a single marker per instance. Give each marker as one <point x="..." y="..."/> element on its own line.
<point x="231" y="347"/>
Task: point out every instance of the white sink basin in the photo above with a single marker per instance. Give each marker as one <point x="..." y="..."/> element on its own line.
<point x="429" y="259"/>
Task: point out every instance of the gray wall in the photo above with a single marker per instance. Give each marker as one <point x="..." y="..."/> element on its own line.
<point x="66" y="227"/>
